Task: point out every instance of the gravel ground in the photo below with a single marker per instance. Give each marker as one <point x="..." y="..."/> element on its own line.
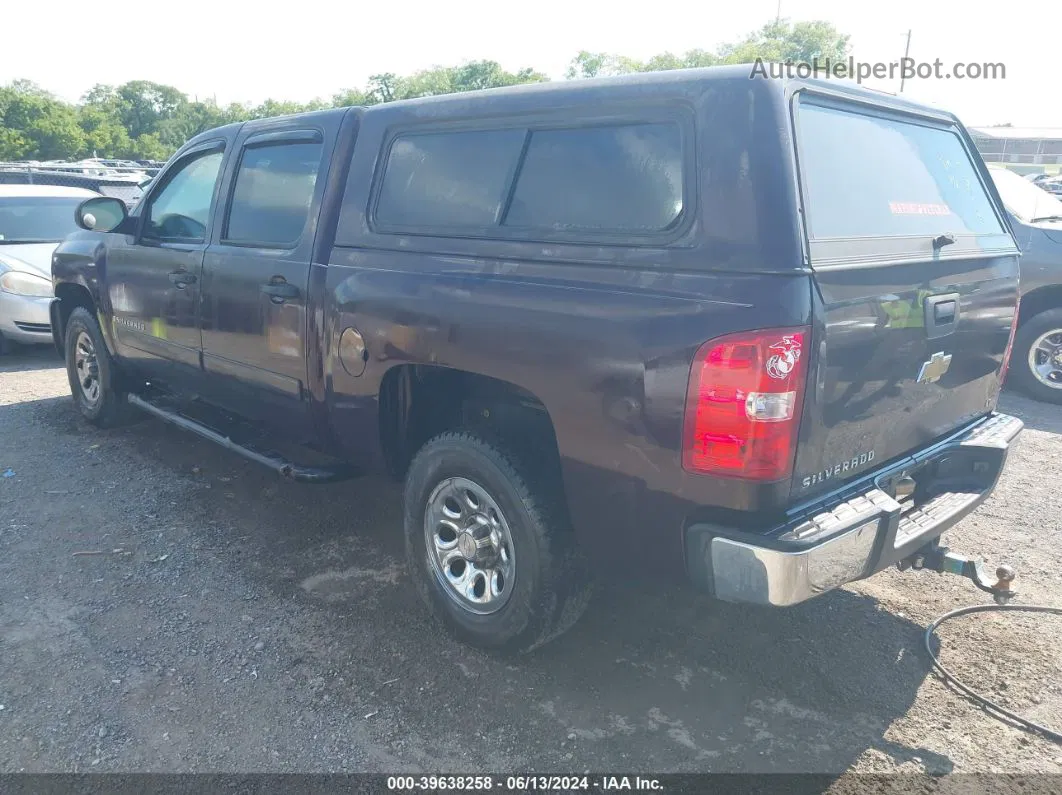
<point x="165" y="606"/>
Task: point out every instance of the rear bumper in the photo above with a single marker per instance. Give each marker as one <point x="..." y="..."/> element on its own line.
<point x="858" y="532"/>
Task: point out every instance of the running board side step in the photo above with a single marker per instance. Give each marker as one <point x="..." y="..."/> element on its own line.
<point x="285" y="468"/>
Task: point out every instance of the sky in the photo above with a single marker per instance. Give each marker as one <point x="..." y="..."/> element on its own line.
<point x="247" y="52"/>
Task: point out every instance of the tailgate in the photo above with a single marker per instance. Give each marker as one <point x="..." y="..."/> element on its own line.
<point x="917" y="286"/>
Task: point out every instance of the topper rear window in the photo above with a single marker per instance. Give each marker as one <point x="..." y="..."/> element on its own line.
<point x="876" y="176"/>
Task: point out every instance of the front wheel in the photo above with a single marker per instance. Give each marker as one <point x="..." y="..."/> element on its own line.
<point x="94" y="379"/>
<point x="489" y="546"/>
<point x="1036" y="361"/>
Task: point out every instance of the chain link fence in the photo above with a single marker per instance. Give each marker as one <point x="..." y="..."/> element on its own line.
<point x="122" y="179"/>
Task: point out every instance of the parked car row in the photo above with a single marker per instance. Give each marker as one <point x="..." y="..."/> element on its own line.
<point x="96" y="166"/>
<point x="128" y="187"/>
<point x="1052" y="183"/>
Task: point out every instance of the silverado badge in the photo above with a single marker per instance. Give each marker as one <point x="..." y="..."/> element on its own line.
<point x="840" y="470"/>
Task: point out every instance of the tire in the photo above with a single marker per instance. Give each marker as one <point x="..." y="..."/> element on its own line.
<point x="6" y="346"/>
<point x="1030" y="333"/>
<point x="546" y="586"/>
<point x="95" y="383"/>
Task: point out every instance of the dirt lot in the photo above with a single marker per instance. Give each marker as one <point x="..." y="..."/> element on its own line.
<point x="225" y="620"/>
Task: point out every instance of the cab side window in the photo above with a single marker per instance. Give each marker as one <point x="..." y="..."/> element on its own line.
<point x="179" y="212"/>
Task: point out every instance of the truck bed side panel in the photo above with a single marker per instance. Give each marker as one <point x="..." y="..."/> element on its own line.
<point x="608" y="353"/>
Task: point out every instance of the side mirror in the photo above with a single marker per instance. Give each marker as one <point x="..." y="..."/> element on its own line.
<point x="101" y="214"/>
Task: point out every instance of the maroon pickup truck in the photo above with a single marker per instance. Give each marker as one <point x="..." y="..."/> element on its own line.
<point x="748" y="333"/>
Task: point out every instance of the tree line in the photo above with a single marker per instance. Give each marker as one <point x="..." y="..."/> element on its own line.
<point x="142" y="120"/>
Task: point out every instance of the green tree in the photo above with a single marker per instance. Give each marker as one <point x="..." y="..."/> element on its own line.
<point x="688" y="60"/>
<point x="352" y="97"/>
<point x="272" y="107"/>
<point x="469" y="76"/>
<point x="13" y="144"/>
<point x="783" y="41"/>
<point x="426" y="83"/>
<point x="384" y="87"/>
<point x="104" y="135"/>
<point x="36" y="125"/>
<point x="140" y="105"/>
<point x="602" y="64"/>
<point x="149" y="147"/>
<point x="777" y="41"/>
<point x="189" y="120"/>
<point x="477" y="75"/>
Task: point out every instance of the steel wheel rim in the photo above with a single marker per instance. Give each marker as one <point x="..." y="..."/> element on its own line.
<point x="1045" y="358"/>
<point x="87" y="367"/>
<point x="469" y="546"/>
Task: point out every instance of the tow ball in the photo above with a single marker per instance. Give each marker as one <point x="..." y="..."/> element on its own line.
<point x="941" y="559"/>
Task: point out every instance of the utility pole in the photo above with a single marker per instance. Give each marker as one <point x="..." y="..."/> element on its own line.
<point x="778" y="16"/>
<point x="906" y="51"/>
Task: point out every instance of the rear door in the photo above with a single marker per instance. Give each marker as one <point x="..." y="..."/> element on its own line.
<point x="917" y="280"/>
<point x="256" y="270"/>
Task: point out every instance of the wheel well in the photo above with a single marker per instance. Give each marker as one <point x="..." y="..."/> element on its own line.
<point x="1040" y="300"/>
<point x="418" y="402"/>
<point x="70" y="296"/>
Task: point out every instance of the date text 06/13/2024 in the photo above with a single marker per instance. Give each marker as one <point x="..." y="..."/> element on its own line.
<point x="522" y="783"/>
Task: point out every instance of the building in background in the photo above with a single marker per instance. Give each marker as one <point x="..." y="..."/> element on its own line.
<point x="1027" y="150"/>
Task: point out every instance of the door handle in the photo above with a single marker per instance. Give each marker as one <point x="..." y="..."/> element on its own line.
<point x="280" y="290"/>
<point x="182" y="278"/>
<point x="941" y="313"/>
<point x="944" y="312"/>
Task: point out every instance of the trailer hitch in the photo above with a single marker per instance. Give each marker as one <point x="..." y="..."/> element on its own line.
<point x="941" y="559"/>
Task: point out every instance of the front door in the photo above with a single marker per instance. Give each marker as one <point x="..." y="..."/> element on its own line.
<point x="154" y="278"/>
<point x="256" y="273"/>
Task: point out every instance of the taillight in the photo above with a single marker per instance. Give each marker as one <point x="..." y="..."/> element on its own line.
<point x="743" y="404"/>
<point x="1010" y="343"/>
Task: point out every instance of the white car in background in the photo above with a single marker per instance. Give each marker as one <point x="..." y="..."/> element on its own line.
<point x="33" y="221"/>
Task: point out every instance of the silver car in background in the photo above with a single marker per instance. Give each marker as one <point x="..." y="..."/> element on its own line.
<point x="33" y="220"/>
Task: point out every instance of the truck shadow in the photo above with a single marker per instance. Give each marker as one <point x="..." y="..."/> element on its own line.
<point x="652" y="678"/>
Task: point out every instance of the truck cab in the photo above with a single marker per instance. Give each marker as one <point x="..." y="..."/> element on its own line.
<point x="746" y="332"/>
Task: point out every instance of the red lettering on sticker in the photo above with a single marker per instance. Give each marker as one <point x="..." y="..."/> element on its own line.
<point x="918" y="208"/>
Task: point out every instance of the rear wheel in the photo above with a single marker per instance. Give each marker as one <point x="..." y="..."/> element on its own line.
<point x="94" y="379"/>
<point x="1036" y="361"/>
<point x="489" y="546"/>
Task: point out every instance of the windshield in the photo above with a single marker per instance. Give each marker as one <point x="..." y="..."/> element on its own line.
<point x="1026" y="200"/>
<point x="36" y="219"/>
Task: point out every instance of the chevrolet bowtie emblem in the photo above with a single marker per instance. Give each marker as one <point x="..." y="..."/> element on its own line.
<point x="934" y="367"/>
